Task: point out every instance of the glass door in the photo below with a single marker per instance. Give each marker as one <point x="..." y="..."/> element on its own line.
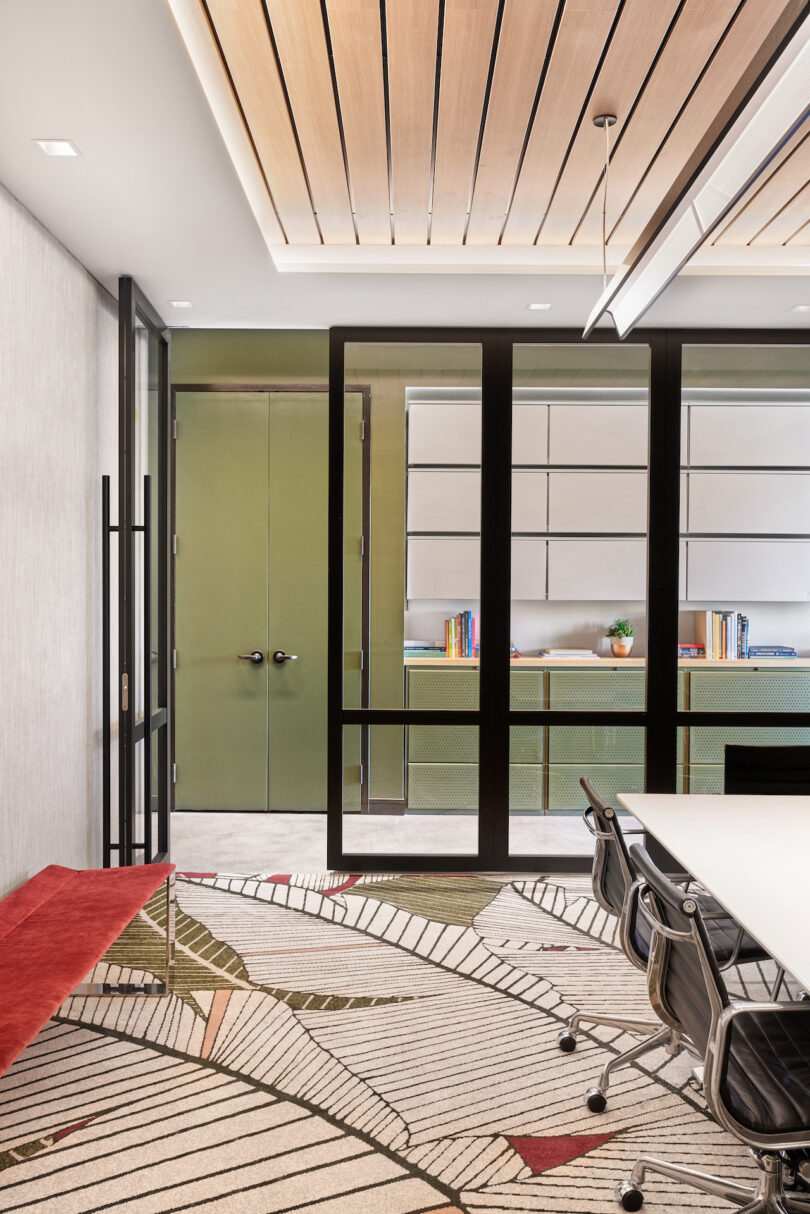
<point x="141" y="683"/>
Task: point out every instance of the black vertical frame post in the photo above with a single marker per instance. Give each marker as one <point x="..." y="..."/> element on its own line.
<point x="663" y="572"/>
<point x="126" y="567"/>
<point x="164" y="628"/>
<point x="334" y="684"/>
<point x="495" y="600"/>
<point x="147" y="668"/>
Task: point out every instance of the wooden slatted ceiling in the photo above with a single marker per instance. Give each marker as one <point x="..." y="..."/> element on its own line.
<point x="470" y="121"/>
<point x="356" y="37"/>
<point x="412" y="28"/>
<point x="241" y="28"/>
<point x="641" y="30"/>
<point x="469" y="28"/>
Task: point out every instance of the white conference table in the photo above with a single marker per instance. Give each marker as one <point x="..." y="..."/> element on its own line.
<point x="752" y="853"/>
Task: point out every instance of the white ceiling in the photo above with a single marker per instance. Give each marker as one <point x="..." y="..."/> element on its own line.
<point x="154" y="194"/>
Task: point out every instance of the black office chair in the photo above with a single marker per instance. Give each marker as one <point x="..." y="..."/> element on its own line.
<point x="770" y="770"/>
<point x="756" y="1055"/>
<point x="615" y="884"/>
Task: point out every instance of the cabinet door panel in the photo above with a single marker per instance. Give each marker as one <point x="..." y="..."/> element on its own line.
<point x="444" y="433"/>
<point x="597" y="434"/>
<point x="528" y="569"/>
<point x="443" y="568"/>
<point x="444" y="500"/>
<point x="749" y="502"/>
<point x="754" y="435"/>
<point x="597" y="501"/>
<point x="597" y="569"/>
<point x="530" y="434"/>
<point x="529" y="501"/>
<point x="763" y="571"/>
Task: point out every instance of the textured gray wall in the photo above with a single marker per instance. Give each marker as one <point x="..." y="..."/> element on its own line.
<point x="58" y="433"/>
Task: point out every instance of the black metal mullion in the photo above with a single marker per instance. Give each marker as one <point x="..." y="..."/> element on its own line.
<point x="164" y="609"/>
<point x="126" y="566"/>
<point x="495" y="602"/>
<point x="335" y="594"/>
<point x="147" y="668"/>
<point x="663" y="560"/>
<point x="105" y="671"/>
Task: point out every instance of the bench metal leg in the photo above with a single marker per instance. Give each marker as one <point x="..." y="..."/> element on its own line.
<point x="100" y="989"/>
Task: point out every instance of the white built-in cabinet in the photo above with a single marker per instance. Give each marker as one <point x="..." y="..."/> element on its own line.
<point x="579" y="497"/>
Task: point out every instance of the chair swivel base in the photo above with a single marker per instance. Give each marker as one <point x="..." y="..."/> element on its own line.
<point x="768" y="1196"/>
<point x="659" y="1036"/>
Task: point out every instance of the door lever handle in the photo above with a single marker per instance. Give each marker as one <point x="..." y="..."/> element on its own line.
<point x="256" y="657"/>
<point x="280" y="656"/>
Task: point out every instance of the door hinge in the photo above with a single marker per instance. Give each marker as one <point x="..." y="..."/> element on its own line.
<point x="361" y="775"/>
<point x="362" y="660"/>
<point x="125" y="693"/>
<point x="363" y="429"/>
<point x="362" y="545"/>
<point x="174" y="773"/>
<point x="174" y="545"/>
<point x="174" y="428"/>
<point x="174" y="659"/>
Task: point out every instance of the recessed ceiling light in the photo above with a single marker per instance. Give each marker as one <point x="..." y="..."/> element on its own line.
<point x="539" y="307"/>
<point x="801" y="308"/>
<point x="181" y="303"/>
<point x="57" y="147"/>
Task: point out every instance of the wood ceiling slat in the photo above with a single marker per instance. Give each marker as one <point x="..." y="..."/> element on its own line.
<point x="242" y="32"/>
<point x="356" y="36"/>
<point x="522" y="47"/>
<point x="580" y="41"/>
<point x="802" y="237"/>
<point x="469" y="26"/>
<point x="301" y="43"/>
<point x="412" y="28"/>
<point x="772" y="192"/>
<point x="633" y="47"/>
<point x="788" y="222"/>
<point x="697" y="32"/>
<point x="746" y="46"/>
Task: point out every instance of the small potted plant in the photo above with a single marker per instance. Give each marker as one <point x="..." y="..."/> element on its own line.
<point x="621" y="638"/>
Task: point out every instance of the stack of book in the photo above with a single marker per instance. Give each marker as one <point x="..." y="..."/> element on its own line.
<point x="688" y="649"/>
<point x="424" y="649"/>
<point x="568" y="653"/>
<point x="459" y="635"/>
<point x="771" y="651"/>
<point x="723" y="634"/>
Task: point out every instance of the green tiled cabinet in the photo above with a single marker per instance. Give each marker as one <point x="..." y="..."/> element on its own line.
<point x="546" y="763"/>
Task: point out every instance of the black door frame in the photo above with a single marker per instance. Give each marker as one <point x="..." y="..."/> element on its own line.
<point x="365" y="620"/>
<point x="494" y="717"/>
<point x="134" y="309"/>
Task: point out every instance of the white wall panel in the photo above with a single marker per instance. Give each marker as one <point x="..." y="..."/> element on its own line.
<point x="444" y="433"/>
<point x="725" y="571"/>
<point x="597" y="569"/>
<point x="757" y="435"/>
<point x="597" y="501"/>
<point x="529" y="491"/>
<point x="443" y="499"/>
<point x="597" y="434"/>
<point x="750" y="502"/>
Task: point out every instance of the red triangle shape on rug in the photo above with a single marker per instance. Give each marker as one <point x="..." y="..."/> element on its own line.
<point x="543" y="1153"/>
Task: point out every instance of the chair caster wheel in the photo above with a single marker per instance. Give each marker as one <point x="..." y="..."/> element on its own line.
<point x="803" y="996"/>
<point x="597" y="1102"/>
<point x="566" y="1041"/>
<point x="630" y="1196"/>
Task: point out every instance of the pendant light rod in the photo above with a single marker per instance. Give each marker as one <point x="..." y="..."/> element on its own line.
<point x="605" y="121"/>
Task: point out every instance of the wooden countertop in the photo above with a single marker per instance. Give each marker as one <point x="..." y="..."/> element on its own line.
<point x="610" y="663"/>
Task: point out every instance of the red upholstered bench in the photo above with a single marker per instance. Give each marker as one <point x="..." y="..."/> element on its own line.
<point x="54" y="929"/>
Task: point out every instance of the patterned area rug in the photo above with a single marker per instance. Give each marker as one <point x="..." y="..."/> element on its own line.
<point x="350" y="1045"/>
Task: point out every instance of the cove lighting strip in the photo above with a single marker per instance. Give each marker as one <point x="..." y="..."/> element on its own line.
<point x="777" y="108"/>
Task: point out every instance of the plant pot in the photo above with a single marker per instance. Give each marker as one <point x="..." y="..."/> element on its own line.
<point x="621" y="647"/>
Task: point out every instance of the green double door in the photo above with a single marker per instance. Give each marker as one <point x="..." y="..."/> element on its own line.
<point x="251" y="583"/>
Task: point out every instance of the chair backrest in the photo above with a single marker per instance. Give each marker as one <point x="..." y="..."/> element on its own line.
<point x="612" y="873"/>
<point x="685" y="985"/>
<point x="774" y="770"/>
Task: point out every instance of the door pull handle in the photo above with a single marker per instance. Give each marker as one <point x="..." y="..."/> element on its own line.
<point x="281" y="657"/>
<point x="256" y="657"/>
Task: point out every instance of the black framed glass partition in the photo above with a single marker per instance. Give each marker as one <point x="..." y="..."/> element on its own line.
<point x="525" y="503"/>
<point x="138" y="682"/>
